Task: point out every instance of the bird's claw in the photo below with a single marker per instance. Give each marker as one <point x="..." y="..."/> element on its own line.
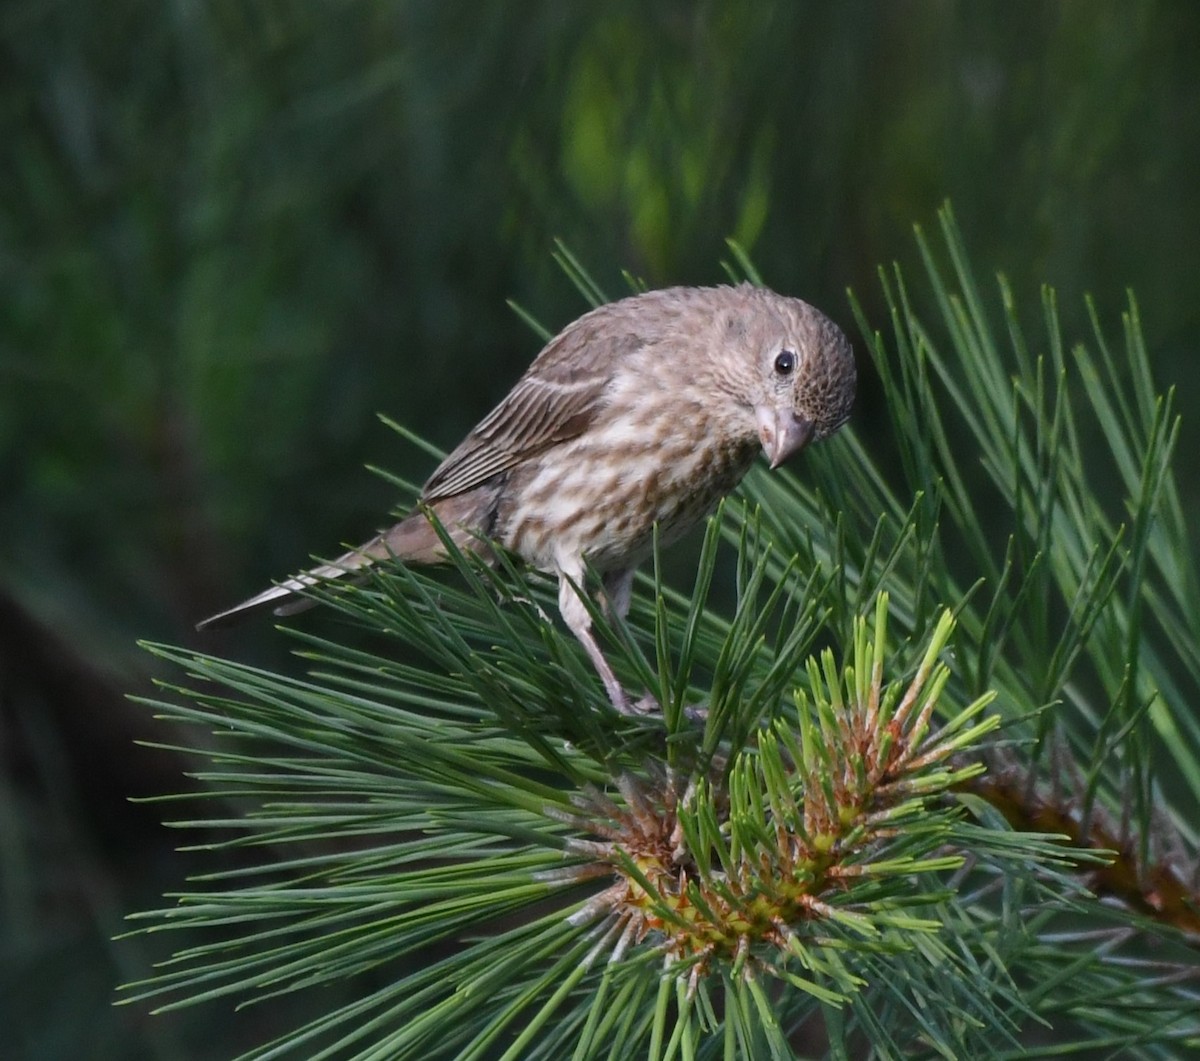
<point x="648" y="705"/>
<point x="645" y="706"/>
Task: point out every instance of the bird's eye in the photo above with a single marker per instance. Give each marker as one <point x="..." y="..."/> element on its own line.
<point x="785" y="362"/>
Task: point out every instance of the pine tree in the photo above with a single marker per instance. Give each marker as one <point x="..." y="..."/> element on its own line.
<point x="924" y="790"/>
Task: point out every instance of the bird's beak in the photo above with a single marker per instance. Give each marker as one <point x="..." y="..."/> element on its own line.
<point x="782" y="432"/>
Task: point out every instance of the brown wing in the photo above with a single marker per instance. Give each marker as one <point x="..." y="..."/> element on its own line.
<point x="555" y="401"/>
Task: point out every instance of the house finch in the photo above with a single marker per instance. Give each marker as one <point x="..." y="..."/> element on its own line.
<point x="647" y="410"/>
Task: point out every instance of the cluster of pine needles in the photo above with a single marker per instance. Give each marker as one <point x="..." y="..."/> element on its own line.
<point x="914" y="793"/>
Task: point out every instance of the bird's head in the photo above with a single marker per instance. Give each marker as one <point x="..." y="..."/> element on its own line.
<point x="802" y="383"/>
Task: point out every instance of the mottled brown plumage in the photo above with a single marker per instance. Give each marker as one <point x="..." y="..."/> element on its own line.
<point x="645" y="410"/>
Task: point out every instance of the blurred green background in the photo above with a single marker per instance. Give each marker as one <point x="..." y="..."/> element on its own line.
<point x="230" y="234"/>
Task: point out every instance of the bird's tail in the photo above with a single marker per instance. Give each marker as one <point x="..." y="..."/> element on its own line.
<point x="413" y="540"/>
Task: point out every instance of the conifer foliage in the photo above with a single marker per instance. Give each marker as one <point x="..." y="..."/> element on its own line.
<point x="923" y="790"/>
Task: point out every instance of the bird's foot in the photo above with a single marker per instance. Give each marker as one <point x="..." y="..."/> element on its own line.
<point x="647" y="705"/>
<point x="642" y="708"/>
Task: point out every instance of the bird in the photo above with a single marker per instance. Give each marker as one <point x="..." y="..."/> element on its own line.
<point x="644" y="411"/>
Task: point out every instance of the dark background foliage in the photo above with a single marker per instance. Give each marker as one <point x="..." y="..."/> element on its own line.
<point x="231" y="234"/>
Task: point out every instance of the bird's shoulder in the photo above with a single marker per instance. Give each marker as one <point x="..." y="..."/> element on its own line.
<point x="556" y="400"/>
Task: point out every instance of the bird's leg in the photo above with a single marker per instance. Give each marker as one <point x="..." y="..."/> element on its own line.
<point x="618" y="592"/>
<point x="617" y="596"/>
<point x="579" y="622"/>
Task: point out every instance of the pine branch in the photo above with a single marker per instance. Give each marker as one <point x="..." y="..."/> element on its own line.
<point x="1159" y="885"/>
<point x="815" y="860"/>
